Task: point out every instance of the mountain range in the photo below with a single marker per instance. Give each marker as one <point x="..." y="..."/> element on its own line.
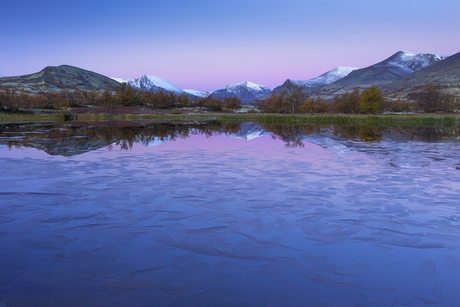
<point x="155" y="84"/>
<point x="445" y="74"/>
<point x="396" y="76"/>
<point x="326" y="78"/>
<point x="246" y="91"/>
<point x="389" y="70"/>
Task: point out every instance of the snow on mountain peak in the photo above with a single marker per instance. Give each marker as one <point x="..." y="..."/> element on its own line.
<point x="246" y="91"/>
<point x="326" y="78"/>
<point x="412" y="61"/>
<point x="147" y="82"/>
<point x="196" y="93"/>
<point x="119" y="80"/>
<point x="247" y="84"/>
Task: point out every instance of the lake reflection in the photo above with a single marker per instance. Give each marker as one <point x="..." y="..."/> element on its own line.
<point x="212" y="214"/>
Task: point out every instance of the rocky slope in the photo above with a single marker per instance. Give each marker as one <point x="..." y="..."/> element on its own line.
<point x="57" y="78"/>
<point x="445" y="74"/>
<point x="394" y="68"/>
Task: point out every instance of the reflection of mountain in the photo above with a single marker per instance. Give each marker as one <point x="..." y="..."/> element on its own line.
<point x="70" y="140"/>
<point x="327" y="142"/>
<point x="156" y="142"/>
<point x="248" y="132"/>
<point x="69" y="147"/>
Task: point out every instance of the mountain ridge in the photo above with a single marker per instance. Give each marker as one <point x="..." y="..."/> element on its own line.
<point x="153" y="84"/>
<point x="58" y="78"/>
<point x="445" y="73"/>
<point x="397" y="66"/>
<point x="247" y="91"/>
<point x="324" y="79"/>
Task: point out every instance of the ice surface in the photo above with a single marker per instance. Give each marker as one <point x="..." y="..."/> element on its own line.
<point x="218" y="221"/>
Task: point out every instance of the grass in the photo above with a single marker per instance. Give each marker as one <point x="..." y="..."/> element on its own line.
<point x="428" y="120"/>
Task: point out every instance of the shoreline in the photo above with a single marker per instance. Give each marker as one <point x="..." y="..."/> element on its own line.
<point x="383" y="120"/>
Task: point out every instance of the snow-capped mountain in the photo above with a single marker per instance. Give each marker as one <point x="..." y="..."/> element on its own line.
<point x="442" y="73"/>
<point x="397" y="66"/>
<point x="412" y="61"/>
<point x="154" y="84"/>
<point x="326" y="78"/>
<point x="196" y="93"/>
<point x="2" y="76"/>
<point x="119" y="80"/>
<point x="246" y="91"/>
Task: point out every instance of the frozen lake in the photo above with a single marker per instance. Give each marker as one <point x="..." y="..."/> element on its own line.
<point x="229" y="215"/>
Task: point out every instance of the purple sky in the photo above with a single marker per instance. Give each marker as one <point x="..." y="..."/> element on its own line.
<point x="205" y="45"/>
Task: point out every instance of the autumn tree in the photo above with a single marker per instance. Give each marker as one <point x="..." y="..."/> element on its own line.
<point x="294" y="97"/>
<point x="397" y="105"/>
<point x="90" y="97"/>
<point x="370" y="100"/>
<point x="431" y="99"/>
<point x="287" y="101"/>
<point x="210" y="102"/>
<point x="347" y="102"/>
<point x="75" y="98"/>
<point x="107" y="99"/>
<point x="232" y="102"/>
<point x="315" y="106"/>
<point x="184" y="99"/>
<point x="126" y="95"/>
<point x="161" y="99"/>
<point x="12" y="99"/>
<point x="272" y="104"/>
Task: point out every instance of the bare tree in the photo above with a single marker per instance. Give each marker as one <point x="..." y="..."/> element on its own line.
<point x="431" y="99"/>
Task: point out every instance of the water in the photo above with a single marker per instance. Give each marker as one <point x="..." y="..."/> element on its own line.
<point x="229" y="215"/>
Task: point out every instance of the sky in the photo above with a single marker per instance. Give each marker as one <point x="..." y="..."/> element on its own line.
<point x="207" y="44"/>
